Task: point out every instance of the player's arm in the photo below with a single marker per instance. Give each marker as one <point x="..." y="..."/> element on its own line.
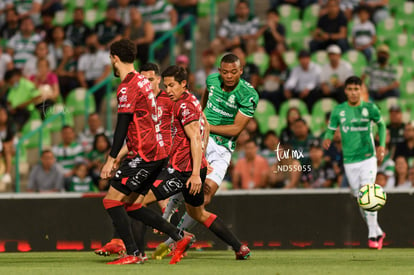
<point x="121" y="130"/>
<point x="330" y="131"/>
<point x="192" y="130"/>
<point x="204" y="99"/>
<point x="206" y="132"/>
<point x="231" y="130"/>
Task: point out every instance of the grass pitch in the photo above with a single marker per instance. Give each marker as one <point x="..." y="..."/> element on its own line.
<point x="327" y="261"/>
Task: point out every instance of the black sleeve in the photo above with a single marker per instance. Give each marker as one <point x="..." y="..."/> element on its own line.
<point x="120" y="133"/>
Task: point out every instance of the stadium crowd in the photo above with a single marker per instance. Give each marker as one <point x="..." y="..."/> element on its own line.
<point x="297" y="56"/>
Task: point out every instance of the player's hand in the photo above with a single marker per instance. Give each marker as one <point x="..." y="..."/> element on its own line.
<point x="380" y="153"/>
<point x="326" y="144"/>
<point x="107" y="169"/>
<point x="194" y="183"/>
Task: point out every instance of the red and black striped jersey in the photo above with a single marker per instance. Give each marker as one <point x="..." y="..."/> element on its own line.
<point x="165" y="117"/>
<point x="135" y="97"/>
<point x="186" y="109"/>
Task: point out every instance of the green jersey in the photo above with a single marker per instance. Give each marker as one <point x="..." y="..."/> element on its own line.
<point x="222" y="107"/>
<point x="355" y="124"/>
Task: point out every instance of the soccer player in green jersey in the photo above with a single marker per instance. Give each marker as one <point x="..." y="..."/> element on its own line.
<point x="229" y="103"/>
<point x="354" y="119"/>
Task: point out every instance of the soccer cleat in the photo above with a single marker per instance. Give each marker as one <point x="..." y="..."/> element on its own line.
<point x="182" y="246"/>
<point x="115" y="246"/>
<point x="127" y="259"/>
<point x="243" y="253"/>
<point x="381" y="240"/>
<point x="372" y="243"/>
<point x="161" y="251"/>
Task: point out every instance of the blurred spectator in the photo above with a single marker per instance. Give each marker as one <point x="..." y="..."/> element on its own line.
<point x="67" y="71"/>
<point x="251" y="171"/>
<point x="208" y="61"/>
<point x="87" y="137"/>
<point x="6" y="63"/>
<point x="331" y="29"/>
<point x="335" y="157"/>
<point x="381" y="179"/>
<point x="45" y="29"/>
<point x="21" y="97"/>
<point x="94" y="66"/>
<point x="347" y="6"/>
<point x="250" y="71"/>
<point x="77" y="32"/>
<point x="46" y="176"/>
<point x="364" y="34"/>
<point x="110" y="29"/>
<point x="253" y="129"/>
<point x="186" y="8"/>
<point x="411" y="175"/>
<point x="273" y="32"/>
<point x="41" y="52"/>
<point x="123" y="8"/>
<point x="11" y="27"/>
<point x="304" y="80"/>
<point x="7" y="136"/>
<point x="47" y="83"/>
<point x="241" y="141"/>
<point x="301" y="4"/>
<point x="52" y="6"/>
<point x="401" y="174"/>
<point x="23" y="44"/>
<point x="163" y="18"/>
<point x="382" y="76"/>
<point x="270" y="143"/>
<point x="238" y="29"/>
<point x="302" y="138"/>
<point x="27" y="9"/>
<point x="334" y="74"/>
<point x="69" y="152"/>
<point x="396" y="126"/>
<point x="81" y="181"/>
<point x="406" y="148"/>
<point x="274" y="79"/>
<point x="141" y="33"/>
<point x="58" y="43"/>
<point x="379" y="9"/>
<point x="321" y="174"/>
<point x="183" y="61"/>
<point x="285" y="173"/>
<point x="292" y="115"/>
<point x="97" y="157"/>
<point x="388" y="165"/>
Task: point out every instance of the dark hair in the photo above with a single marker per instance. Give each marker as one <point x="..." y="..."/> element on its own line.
<point x="45" y="151"/>
<point x="273" y="10"/>
<point x="95" y="141"/>
<point x="67" y="127"/>
<point x="125" y="49"/>
<point x="363" y="8"/>
<point x="327" y="115"/>
<point x="269" y="133"/>
<point x="353" y="80"/>
<point x="42" y="59"/>
<point x="251" y="140"/>
<point x="381" y="173"/>
<point x="10" y="73"/>
<point x="243" y="2"/>
<point x="301" y="120"/>
<point x="150" y="67"/>
<point x="283" y="65"/>
<point x="178" y="72"/>
<point x="229" y="58"/>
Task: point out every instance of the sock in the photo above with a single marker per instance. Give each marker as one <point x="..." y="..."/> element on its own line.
<point x="371" y="220"/>
<point x="122" y="225"/>
<point x="217" y="226"/>
<point x="152" y="218"/>
<point x="173" y="203"/>
<point x="138" y="231"/>
<point x="186" y="223"/>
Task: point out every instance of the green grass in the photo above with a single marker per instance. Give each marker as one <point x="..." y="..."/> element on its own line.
<point x="327" y="261"/>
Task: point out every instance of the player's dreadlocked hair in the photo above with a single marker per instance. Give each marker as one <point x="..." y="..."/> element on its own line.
<point x="150" y="67"/>
<point x="178" y="72"/>
<point x="125" y="49"/>
<point x="353" y="80"/>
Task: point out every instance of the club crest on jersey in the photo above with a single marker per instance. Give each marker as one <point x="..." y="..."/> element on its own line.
<point x="123" y="90"/>
<point x="231" y="99"/>
<point x="364" y="111"/>
<point x="342" y="113"/>
<point x="123" y="98"/>
<point x="134" y="162"/>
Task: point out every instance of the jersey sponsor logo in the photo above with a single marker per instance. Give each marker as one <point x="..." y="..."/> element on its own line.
<point x="159" y="112"/>
<point x="359" y="129"/>
<point x="124" y="105"/>
<point x="364" y="112"/>
<point x="134" y="162"/>
<point x="343" y="120"/>
<point x="364" y="119"/>
<point x="123" y="90"/>
<point x="221" y="112"/>
<point x="118" y="173"/>
<point x="170" y="170"/>
<point x="342" y="113"/>
<point x="172" y="185"/>
<point x="139" y="177"/>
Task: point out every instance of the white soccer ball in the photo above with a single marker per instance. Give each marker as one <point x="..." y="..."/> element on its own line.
<point x="371" y="197"/>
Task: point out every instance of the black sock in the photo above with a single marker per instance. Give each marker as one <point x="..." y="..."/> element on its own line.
<point x="155" y="220"/>
<point x="115" y="235"/>
<point x="220" y="229"/>
<point x="123" y="227"/>
<point x="138" y="230"/>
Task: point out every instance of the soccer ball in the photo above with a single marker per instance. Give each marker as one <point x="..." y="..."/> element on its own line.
<point x="371" y="197"/>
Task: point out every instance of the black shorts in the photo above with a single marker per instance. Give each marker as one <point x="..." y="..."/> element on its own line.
<point x="137" y="175"/>
<point x="170" y="182"/>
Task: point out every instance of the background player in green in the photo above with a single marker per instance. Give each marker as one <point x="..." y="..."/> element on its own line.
<point x="354" y="119"/>
<point x="229" y="103"/>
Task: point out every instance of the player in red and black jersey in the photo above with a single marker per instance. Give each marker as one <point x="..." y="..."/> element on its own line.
<point x="137" y="117"/>
<point x="188" y="167"/>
